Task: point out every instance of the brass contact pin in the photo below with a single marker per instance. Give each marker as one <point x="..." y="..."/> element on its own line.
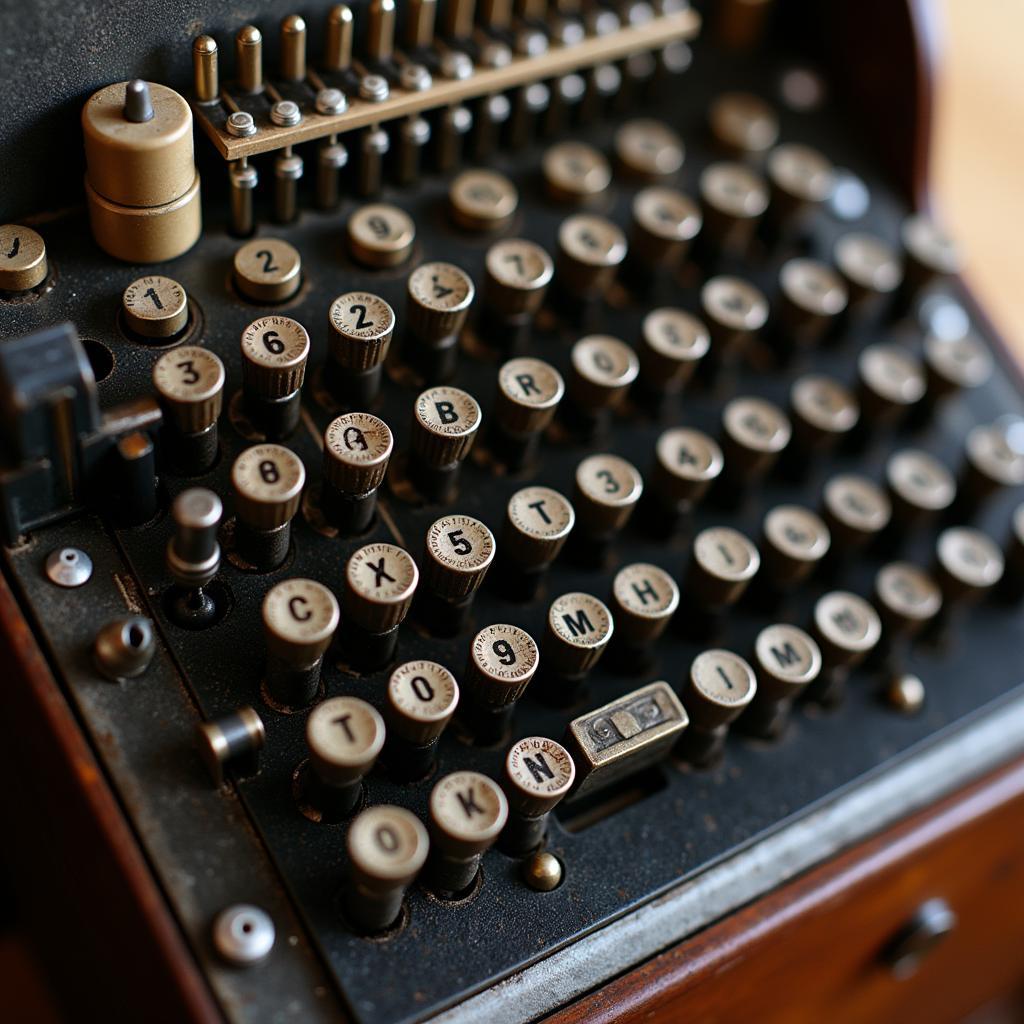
<point x="496" y="15"/>
<point x="249" y="59"/>
<point x="380" y="38"/>
<point x="338" y="50"/>
<point x="420" y="26"/>
<point x="532" y="10"/>
<point x="205" y="76"/>
<point x="458" y="23"/>
<point x="293" y="48"/>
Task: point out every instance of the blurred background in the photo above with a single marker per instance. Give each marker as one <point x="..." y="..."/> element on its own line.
<point x="978" y="150"/>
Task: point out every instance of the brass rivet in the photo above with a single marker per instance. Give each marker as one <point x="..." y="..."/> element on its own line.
<point x="543" y="871"/>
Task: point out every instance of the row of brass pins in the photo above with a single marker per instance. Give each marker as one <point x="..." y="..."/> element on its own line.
<point x="498" y="27"/>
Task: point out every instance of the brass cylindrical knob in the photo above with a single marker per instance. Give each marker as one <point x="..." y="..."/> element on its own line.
<point x="787" y="660"/>
<point x="644" y="599"/>
<point x="138" y="163"/>
<point x="607" y="489"/>
<point x="722" y="564"/>
<point x="438" y="299"/>
<point x="24" y="265"/>
<point x="380" y="581"/>
<point x="458" y="551"/>
<point x="155" y="307"/>
<point x="672" y="344"/>
<point x="381" y="235"/>
<point x="357" y="448"/>
<point x="267" y="480"/>
<point x="529" y="391"/>
<point x="267" y="270"/>
<point x="665" y="222"/>
<point x="189" y="383"/>
<point x="954" y="364"/>
<point x="387" y="846"/>
<point x="538" y="520"/>
<point x="578" y="630"/>
<point x="502" y="661"/>
<point x="361" y="327"/>
<point x="274" y="354"/>
<point x="994" y="458"/>
<point x="931" y="253"/>
<point x="743" y="124"/>
<point x="590" y="251"/>
<point x="518" y="274"/>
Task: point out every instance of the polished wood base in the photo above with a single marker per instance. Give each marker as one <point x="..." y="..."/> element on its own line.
<point x="813" y="950"/>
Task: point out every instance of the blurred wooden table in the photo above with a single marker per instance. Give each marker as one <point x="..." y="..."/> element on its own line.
<point x="978" y="152"/>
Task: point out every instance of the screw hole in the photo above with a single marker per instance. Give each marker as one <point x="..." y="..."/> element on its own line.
<point x="136" y="636"/>
<point x="101" y="359"/>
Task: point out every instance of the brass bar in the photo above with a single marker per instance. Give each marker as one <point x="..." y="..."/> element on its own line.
<point x="458" y="22"/>
<point x="249" y="59"/>
<point x="496" y="14"/>
<point x="205" y="78"/>
<point x="338" y="52"/>
<point x="557" y="61"/>
<point x="293" y="48"/>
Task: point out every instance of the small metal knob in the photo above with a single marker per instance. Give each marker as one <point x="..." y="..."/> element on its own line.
<point x="931" y="923"/>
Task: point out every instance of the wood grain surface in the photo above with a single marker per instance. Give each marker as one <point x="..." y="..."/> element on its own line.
<point x="978" y="150"/>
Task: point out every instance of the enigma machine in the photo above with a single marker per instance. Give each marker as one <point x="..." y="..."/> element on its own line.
<point x="507" y="511"/>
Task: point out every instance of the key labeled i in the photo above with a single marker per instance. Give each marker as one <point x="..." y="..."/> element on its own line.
<point x="357" y="449"/>
<point x="274" y="354"/>
<point x="719" y="687"/>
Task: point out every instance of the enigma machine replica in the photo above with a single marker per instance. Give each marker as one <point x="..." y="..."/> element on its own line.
<point x="507" y="513"/>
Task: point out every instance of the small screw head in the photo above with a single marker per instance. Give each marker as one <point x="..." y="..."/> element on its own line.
<point x="374" y="88"/>
<point x="905" y="694"/>
<point x="243" y="934"/>
<point x="331" y="101"/>
<point x="285" y="113"/>
<point x="124" y="648"/>
<point x="241" y="124"/>
<point x="68" y="567"/>
<point x="543" y="871"/>
<point x="416" y="78"/>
